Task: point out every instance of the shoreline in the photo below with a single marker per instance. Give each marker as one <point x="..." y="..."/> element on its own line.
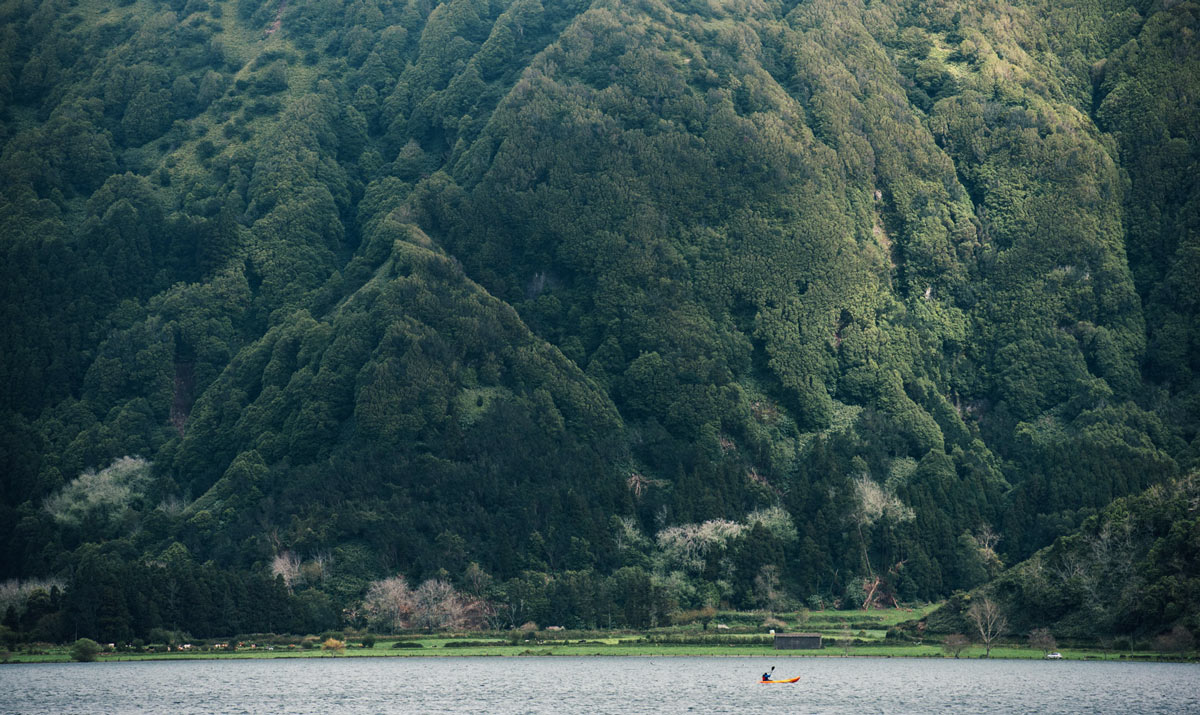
<point x="911" y="652"/>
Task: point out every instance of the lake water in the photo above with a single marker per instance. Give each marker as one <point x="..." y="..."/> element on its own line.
<point x="600" y="685"/>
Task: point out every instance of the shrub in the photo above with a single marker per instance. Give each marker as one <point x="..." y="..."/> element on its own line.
<point x="955" y="643"/>
<point x="334" y="646"/>
<point x="9" y="637"/>
<point x="263" y="107"/>
<point x="406" y="644"/>
<point x="1041" y="639"/>
<point x="85" y="650"/>
<point x="1177" y="640"/>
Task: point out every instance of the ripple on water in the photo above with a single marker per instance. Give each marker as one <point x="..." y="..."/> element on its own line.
<point x="600" y="685"/>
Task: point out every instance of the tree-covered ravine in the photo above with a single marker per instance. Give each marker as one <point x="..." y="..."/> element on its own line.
<point x="418" y="315"/>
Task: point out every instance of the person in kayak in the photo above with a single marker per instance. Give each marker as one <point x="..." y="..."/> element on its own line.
<point x="767" y="675"/>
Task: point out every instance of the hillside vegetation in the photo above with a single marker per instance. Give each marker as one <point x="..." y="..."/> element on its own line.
<point x="590" y="312"/>
<point x="1129" y="575"/>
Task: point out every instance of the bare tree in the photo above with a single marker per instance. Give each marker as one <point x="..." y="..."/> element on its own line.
<point x="989" y="621"/>
<point x="478" y="613"/>
<point x="988" y="539"/>
<point x="955" y="643"/>
<point x="437" y="605"/>
<point x="287" y="565"/>
<point x="1041" y="639"/>
<point x="389" y="604"/>
<point x="321" y="561"/>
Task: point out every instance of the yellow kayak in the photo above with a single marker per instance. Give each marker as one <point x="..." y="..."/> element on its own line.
<point x="764" y="682"/>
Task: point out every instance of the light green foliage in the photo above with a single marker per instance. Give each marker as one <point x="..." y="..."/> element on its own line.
<point x="102" y="501"/>
<point x="777" y="521"/>
<point x="85" y="650"/>
<point x="689" y="545"/>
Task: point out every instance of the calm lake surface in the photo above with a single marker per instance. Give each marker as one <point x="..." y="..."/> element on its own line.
<point x="600" y="685"/>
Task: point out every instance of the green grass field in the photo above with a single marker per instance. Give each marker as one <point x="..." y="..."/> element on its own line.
<point x="436" y="647"/>
<point x="846" y="634"/>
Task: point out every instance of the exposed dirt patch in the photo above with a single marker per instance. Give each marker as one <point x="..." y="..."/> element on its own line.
<point x="278" y="19"/>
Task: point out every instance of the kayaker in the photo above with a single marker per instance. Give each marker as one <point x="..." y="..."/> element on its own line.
<point x="767" y="675"/>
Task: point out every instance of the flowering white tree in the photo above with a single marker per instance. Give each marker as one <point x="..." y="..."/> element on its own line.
<point x="776" y="520"/>
<point x="101" y="499"/>
<point x="689" y="544"/>
<point x="874" y="502"/>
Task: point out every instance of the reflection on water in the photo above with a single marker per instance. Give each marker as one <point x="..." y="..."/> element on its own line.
<point x="603" y="685"/>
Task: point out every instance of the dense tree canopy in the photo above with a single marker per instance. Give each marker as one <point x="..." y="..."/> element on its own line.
<point x="587" y="311"/>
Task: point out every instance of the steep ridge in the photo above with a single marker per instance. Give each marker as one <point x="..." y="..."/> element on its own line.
<point x="533" y="285"/>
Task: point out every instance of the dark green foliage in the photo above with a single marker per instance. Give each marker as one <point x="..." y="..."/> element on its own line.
<point x="631" y="308"/>
<point x="1131" y="570"/>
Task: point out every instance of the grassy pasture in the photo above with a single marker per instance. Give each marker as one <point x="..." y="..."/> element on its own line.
<point x="742" y="634"/>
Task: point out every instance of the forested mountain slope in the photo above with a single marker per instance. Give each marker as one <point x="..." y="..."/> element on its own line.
<point x="1130" y="571"/>
<point x="711" y="302"/>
